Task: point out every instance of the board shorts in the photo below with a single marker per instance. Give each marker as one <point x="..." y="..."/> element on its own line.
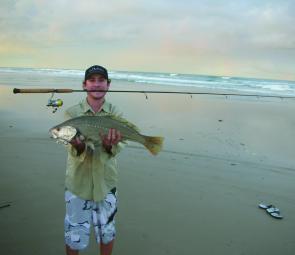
<point x="81" y="214"/>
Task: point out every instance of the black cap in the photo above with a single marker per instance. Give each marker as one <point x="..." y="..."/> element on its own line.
<point x="96" y="70"/>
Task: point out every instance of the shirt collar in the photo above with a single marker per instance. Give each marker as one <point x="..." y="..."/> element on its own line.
<point x="106" y="107"/>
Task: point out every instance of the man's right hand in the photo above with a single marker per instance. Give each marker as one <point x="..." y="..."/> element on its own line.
<point x="78" y="144"/>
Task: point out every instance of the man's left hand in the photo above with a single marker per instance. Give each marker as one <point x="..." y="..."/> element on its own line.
<point x="112" y="138"/>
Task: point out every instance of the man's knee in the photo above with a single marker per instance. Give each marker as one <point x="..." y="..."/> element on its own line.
<point x="108" y="233"/>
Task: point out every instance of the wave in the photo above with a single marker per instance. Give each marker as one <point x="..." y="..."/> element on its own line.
<point x="260" y="86"/>
<point x="43" y="71"/>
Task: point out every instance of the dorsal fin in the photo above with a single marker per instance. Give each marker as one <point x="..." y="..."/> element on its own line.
<point x="124" y="121"/>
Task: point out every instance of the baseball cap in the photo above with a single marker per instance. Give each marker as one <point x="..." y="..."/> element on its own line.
<point x="96" y="69"/>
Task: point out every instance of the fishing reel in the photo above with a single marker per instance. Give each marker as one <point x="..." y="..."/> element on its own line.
<point x="54" y="103"/>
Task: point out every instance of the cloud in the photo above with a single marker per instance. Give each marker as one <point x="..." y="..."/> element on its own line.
<point x="205" y="23"/>
<point x="156" y="34"/>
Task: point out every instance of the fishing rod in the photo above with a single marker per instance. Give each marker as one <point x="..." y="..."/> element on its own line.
<point x="17" y="91"/>
<point x="56" y="103"/>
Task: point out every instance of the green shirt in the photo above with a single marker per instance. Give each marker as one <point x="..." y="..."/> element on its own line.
<point x="94" y="173"/>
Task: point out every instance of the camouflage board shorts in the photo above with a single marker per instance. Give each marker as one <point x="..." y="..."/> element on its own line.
<point x="81" y="214"/>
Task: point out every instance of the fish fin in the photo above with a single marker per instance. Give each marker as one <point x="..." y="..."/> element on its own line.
<point x="153" y="144"/>
<point x="90" y="145"/>
<point x="124" y="121"/>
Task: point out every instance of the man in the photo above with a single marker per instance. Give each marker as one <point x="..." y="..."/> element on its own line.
<point x="91" y="174"/>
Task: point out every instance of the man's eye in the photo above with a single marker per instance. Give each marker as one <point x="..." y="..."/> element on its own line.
<point x="97" y="80"/>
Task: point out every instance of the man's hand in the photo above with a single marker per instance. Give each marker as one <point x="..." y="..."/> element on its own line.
<point x="112" y="138"/>
<point x="78" y="144"/>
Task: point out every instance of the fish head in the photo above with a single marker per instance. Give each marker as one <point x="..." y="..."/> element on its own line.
<point x="63" y="133"/>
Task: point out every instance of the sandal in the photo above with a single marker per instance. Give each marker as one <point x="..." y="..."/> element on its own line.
<point x="271" y="210"/>
<point x="263" y="206"/>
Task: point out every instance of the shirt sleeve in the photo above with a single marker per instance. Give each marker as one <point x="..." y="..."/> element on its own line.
<point x="67" y="115"/>
<point x="117" y="148"/>
<point x="71" y="150"/>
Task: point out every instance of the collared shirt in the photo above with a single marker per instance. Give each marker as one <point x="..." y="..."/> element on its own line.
<point x="94" y="173"/>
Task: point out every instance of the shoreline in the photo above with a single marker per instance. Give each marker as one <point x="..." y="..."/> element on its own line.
<point x="74" y="79"/>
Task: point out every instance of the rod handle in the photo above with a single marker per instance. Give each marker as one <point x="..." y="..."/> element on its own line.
<point x="17" y="91"/>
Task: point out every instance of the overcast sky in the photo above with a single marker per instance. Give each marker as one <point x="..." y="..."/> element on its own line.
<point x="254" y="38"/>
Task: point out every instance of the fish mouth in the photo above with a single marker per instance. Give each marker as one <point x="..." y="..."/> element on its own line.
<point x="61" y="137"/>
<point x="53" y="133"/>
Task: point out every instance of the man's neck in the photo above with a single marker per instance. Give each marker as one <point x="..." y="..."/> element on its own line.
<point x="95" y="104"/>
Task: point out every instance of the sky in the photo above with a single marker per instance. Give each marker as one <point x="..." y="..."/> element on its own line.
<point x="254" y="38"/>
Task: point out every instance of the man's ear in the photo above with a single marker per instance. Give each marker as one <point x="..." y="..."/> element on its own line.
<point x="83" y="84"/>
<point x="109" y="82"/>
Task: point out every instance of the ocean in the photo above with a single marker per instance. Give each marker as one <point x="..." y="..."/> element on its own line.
<point x="29" y="77"/>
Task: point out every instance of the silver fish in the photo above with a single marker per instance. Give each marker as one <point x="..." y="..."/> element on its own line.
<point x="89" y="128"/>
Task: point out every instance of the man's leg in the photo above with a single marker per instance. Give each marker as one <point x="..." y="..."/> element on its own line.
<point x="104" y="222"/>
<point x="106" y="249"/>
<point x="77" y="223"/>
<point x="69" y="251"/>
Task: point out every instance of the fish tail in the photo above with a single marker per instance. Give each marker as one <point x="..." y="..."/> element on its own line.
<point x="153" y="144"/>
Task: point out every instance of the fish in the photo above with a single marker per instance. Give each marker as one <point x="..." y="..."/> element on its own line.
<point x="88" y="129"/>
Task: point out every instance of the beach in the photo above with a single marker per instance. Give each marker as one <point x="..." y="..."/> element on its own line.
<point x="222" y="156"/>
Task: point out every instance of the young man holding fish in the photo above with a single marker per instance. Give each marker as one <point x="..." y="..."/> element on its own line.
<point x="94" y="134"/>
<point x="91" y="175"/>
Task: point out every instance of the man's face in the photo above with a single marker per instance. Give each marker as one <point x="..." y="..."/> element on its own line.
<point x="96" y="82"/>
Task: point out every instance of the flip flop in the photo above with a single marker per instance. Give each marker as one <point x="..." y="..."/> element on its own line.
<point x="276" y="215"/>
<point x="264" y="206"/>
<point x="271" y="210"/>
<point x="274" y="212"/>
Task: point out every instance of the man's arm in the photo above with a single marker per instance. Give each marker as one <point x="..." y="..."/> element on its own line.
<point x="79" y="145"/>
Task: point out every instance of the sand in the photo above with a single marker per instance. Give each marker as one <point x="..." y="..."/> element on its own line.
<point x="200" y="195"/>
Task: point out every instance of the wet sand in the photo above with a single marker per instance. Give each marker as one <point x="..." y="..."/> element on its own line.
<point x="222" y="157"/>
